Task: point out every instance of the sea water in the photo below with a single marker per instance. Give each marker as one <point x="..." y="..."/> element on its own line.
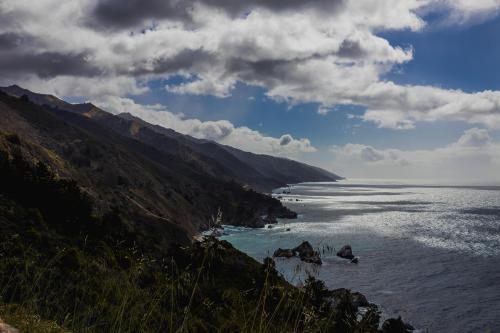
<point x="429" y="253"/>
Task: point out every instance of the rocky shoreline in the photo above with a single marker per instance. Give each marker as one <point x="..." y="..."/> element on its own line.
<point x="306" y="253"/>
<point x="340" y="297"/>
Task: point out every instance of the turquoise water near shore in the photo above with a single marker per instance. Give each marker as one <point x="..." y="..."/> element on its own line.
<point x="430" y="253"/>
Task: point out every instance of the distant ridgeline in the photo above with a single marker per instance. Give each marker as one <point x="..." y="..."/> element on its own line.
<point x="96" y="223"/>
<point x="261" y="172"/>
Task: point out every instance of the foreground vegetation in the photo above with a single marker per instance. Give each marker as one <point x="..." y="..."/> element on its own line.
<point x="65" y="268"/>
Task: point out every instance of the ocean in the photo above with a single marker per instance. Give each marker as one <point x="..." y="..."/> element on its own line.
<point x="429" y="253"/>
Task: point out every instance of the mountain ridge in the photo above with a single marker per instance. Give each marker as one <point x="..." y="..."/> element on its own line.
<point x="260" y="171"/>
<point x="119" y="172"/>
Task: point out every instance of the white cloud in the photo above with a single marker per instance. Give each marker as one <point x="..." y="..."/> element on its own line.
<point x="394" y="106"/>
<point x="221" y="131"/>
<point x="474" y="137"/>
<point x="474" y="156"/>
<point x="216" y="87"/>
<point x="323" y="51"/>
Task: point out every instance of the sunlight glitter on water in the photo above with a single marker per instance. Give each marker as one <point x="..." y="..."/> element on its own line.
<point x="424" y="249"/>
<point x="432" y="214"/>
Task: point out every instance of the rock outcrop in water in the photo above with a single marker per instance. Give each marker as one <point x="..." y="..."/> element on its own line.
<point x="305" y="252"/>
<point x="346" y="252"/>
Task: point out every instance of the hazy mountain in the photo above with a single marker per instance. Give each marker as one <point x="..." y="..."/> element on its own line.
<point x="259" y="170"/>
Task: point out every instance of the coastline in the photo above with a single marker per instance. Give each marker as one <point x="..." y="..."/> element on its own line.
<point x="419" y="247"/>
<point x="301" y="273"/>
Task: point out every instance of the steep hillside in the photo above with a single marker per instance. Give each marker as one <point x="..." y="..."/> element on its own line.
<point x="237" y="169"/>
<point x="155" y="188"/>
<point x="262" y="172"/>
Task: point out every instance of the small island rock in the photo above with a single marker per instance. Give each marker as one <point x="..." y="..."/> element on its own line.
<point x="346" y="252"/>
<point x="305" y="252"/>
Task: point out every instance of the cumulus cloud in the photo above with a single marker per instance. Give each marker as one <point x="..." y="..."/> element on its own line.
<point x="204" y="86"/>
<point x="400" y="107"/>
<point x="474" y="155"/>
<point x="474" y="137"/>
<point x="324" y="51"/>
<point x="116" y="13"/>
<point x="221" y="131"/>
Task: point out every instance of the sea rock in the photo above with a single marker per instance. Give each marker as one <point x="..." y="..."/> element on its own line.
<point x="4" y="328"/>
<point x="284" y="253"/>
<point x="355" y="260"/>
<point x="270" y="226"/>
<point x="396" y="326"/>
<point x="307" y="253"/>
<point x="346" y="252"/>
<point x="305" y="248"/>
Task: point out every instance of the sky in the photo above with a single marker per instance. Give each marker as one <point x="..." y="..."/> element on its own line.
<point x="364" y="88"/>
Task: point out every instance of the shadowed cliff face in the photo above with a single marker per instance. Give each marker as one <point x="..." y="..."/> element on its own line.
<point x="153" y="185"/>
